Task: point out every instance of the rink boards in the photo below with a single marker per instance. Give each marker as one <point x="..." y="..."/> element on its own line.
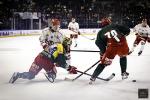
<point x="12" y="33"/>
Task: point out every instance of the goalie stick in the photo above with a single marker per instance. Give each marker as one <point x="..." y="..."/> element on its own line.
<point x="85" y="71"/>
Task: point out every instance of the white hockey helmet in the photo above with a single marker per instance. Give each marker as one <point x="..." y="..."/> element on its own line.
<point x="73" y="19"/>
<point x="144" y="22"/>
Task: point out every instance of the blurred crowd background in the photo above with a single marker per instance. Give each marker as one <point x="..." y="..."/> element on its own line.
<point x="34" y="14"/>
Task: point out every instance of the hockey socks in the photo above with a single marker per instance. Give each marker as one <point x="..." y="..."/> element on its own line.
<point x="123" y="64"/>
<point x="97" y="71"/>
<point x="141" y="49"/>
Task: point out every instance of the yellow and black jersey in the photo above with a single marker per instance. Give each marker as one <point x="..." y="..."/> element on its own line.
<point x="53" y="51"/>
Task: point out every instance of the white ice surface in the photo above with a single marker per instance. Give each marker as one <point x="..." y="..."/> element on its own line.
<point x="17" y="54"/>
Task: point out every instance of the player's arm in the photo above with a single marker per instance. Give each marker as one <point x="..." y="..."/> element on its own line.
<point x="69" y="26"/>
<point x="44" y="37"/>
<point x="101" y="42"/>
<point x="136" y="29"/>
<point x="77" y="29"/>
<point x="149" y="32"/>
<point x="61" y="37"/>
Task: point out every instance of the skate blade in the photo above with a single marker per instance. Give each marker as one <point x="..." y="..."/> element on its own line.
<point x="11" y="79"/>
<point x="49" y="79"/>
<point x="91" y="82"/>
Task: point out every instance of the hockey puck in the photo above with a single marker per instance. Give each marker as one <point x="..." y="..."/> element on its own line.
<point x="133" y="80"/>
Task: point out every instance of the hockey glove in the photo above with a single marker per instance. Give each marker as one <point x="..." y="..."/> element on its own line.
<point x="101" y="56"/>
<point x="72" y="70"/>
<point x="79" y="33"/>
<point x="44" y="45"/>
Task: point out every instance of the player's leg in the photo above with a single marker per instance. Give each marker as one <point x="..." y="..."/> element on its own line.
<point x="72" y="36"/>
<point x="105" y="61"/>
<point x="143" y="42"/>
<point x="24" y="75"/>
<point x="123" y="52"/>
<point x="50" y="69"/>
<point x="136" y="42"/>
<point x="75" y="39"/>
<point x="123" y="65"/>
<point x="97" y="71"/>
<point x="34" y="70"/>
<point x="51" y="74"/>
<point x="67" y="44"/>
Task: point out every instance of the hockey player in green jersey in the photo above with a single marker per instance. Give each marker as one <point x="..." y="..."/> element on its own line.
<point x="111" y="41"/>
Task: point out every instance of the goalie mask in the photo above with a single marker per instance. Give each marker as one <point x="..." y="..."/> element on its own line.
<point x="54" y="24"/>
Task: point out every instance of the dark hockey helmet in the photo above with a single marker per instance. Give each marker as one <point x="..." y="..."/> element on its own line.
<point x="106" y="21"/>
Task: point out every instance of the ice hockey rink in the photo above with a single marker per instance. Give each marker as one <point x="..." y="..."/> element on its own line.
<point x="17" y="54"/>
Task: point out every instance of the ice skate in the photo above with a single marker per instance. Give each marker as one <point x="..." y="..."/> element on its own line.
<point x="92" y="80"/>
<point x="130" y="52"/>
<point x="14" y="77"/>
<point x="140" y="52"/>
<point x="76" y="45"/>
<point x="50" y="76"/>
<point x="125" y="75"/>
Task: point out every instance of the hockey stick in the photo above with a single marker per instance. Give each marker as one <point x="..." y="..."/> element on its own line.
<point x="83" y="35"/>
<point x="87" y="37"/>
<point x="84" y="51"/>
<point x="104" y="79"/>
<point x="85" y="71"/>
